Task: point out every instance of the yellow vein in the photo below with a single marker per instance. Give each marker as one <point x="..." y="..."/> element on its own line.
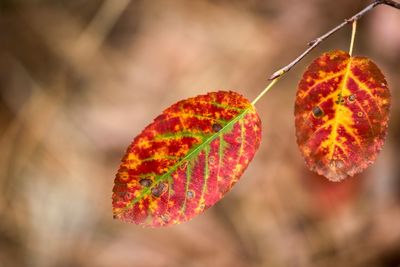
<point x="321" y="81"/>
<point x="221" y="149"/>
<point x="350" y="131"/>
<point x="242" y="130"/>
<point x="186" y="115"/>
<point x="171" y="135"/>
<point x="338" y="109"/>
<point x="188" y="178"/>
<point x="326" y="98"/>
<point x="367" y="116"/>
<point x="206" y="175"/>
<point x="367" y="90"/>
<point x="325" y="124"/>
<point x="215" y="104"/>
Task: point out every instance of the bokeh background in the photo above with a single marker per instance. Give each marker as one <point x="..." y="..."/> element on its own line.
<point x="79" y="79"/>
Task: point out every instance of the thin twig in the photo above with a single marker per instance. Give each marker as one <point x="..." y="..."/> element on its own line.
<point x="391" y="3"/>
<point x="318" y="40"/>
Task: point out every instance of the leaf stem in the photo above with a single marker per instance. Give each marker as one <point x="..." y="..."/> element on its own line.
<point x="272" y="83"/>
<point x="353" y="35"/>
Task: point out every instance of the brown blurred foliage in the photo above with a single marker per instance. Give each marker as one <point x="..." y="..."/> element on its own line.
<point x="79" y="79"/>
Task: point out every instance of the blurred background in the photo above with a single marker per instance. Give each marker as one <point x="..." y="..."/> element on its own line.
<point x="79" y="79"/>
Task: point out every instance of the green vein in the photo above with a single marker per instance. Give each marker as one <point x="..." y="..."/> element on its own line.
<point x="193" y="115"/>
<point x="177" y="135"/>
<point x="242" y="129"/>
<point x="188" y="178"/>
<point x="192" y="153"/>
<point x="216" y="104"/>
<point x="206" y="173"/>
<point x="163" y="157"/>
<point x="224" y="106"/>
<point x="169" y="192"/>
<point x="222" y="146"/>
<point x="145" y="175"/>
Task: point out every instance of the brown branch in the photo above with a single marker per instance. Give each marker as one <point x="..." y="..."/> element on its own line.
<point x="314" y="43"/>
<point x="391" y="3"/>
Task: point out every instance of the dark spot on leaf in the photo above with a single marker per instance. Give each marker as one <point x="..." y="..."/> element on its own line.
<point x="158" y="189"/>
<point x="183" y="165"/>
<point x="340" y="99"/>
<point x="190" y="194"/>
<point x="165" y="217"/>
<point x="317" y="112"/>
<point x="211" y="160"/>
<point x="145" y="182"/>
<point x="128" y="196"/>
<point x="352" y="98"/>
<point x="339" y="164"/>
<point x="216" y="127"/>
<point x="359" y="114"/>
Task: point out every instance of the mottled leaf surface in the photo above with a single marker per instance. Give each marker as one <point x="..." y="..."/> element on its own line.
<point x="341" y="114"/>
<point x="186" y="160"/>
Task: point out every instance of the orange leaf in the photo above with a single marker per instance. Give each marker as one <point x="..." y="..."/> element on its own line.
<point x="186" y="160"/>
<point x="341" y="114"/>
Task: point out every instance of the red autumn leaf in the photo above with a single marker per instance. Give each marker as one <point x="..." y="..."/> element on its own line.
<point x="186" y="160"/>
<point x="342" y="109"/>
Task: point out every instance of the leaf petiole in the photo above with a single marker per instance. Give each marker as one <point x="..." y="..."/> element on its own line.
<point x="353" y="35"/>
<point x="270" y="85"/>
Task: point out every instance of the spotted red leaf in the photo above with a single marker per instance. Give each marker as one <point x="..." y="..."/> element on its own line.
<point x="186" y="160"/>
<point x="342" y="109"/>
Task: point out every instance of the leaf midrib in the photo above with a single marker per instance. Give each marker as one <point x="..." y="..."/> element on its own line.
<point x="334" y="142"/>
